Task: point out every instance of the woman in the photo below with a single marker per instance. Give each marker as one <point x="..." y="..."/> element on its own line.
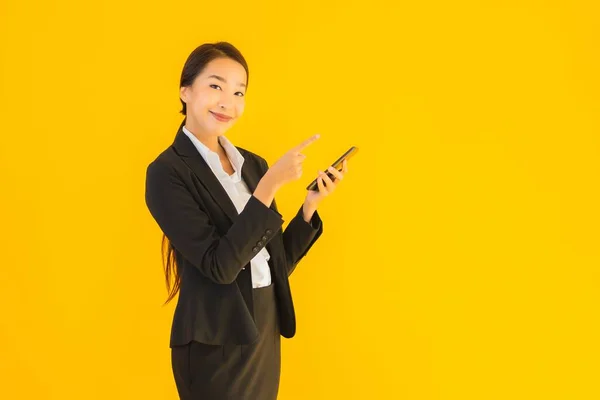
<point x="224" y="249"/>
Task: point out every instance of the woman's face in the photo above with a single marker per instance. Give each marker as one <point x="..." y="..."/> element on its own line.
<point x="215" y="100"/>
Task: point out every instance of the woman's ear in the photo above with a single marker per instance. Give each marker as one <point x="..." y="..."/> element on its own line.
<point x="183" y="93"/>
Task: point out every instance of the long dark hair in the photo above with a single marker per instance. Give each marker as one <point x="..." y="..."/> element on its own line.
<point x="194" y="65"/>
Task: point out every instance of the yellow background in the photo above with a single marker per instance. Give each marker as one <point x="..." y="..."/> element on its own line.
<point x="459" y="258"/>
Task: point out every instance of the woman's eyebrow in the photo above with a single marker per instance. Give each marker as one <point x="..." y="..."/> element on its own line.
<point x="220" y="78"/>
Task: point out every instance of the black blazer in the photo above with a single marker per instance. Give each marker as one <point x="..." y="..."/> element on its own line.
<point x="214" y="245"/>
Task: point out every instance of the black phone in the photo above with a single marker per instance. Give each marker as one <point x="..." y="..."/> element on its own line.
<point x="337" y="165"/>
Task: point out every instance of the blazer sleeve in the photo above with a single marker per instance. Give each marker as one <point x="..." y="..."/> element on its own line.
<point x="190" y="231"/>
<point x="299" y="235"/>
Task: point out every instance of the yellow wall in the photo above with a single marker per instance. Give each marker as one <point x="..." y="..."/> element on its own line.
<point x="460" y="257"/>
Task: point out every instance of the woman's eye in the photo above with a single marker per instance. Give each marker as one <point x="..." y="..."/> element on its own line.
<point x="240" y="94"/>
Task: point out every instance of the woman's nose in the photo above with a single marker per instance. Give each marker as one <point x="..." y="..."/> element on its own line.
<point x="225" y="102"/>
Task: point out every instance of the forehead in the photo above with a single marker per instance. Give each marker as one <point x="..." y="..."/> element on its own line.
<point x="226" y="68"/>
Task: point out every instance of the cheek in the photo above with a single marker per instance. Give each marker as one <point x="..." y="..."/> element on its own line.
<point x="204" y="100"/>
<point x="240" y="107"/>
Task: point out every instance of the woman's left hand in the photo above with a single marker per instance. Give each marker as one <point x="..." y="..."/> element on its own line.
<point x="326" y="185"/>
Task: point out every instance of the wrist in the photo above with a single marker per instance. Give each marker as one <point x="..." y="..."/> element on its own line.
<point x="265" y="190"/>
<point x="270" y="181"/>
<point x="310" y="205"/>
<point x="308" y="209"/>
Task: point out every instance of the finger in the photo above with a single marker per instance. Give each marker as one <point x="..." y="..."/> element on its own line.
<point x="336" y="173"/>
<point x="306" y="143"/>
<point x="345" y="167"/>
<point x="328" y="182"/>
<point x="321" y="186"/>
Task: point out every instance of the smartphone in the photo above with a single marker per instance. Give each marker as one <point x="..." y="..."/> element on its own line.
<point x="337" y="165"/>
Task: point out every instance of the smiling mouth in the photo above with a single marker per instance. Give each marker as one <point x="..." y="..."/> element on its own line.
<point x="221" y="117"/>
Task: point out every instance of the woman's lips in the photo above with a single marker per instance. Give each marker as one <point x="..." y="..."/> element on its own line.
<point x="221" y="117"/>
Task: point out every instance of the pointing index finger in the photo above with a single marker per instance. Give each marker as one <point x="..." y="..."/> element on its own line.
<point x="307" y="142"/>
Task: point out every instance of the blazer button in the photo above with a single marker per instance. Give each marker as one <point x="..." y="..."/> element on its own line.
<point x="264" y="238"/>
<point x="255" y="249"/>
<point x="268" y="231"/>
<point x="259" y="243"/>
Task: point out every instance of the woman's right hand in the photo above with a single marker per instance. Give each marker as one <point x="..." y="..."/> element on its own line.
<point x="289" y="167"/>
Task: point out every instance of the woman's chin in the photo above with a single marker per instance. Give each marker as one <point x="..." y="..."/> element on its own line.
<point x="220" y="129"/>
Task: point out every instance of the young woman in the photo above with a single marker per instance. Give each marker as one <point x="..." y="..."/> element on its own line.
<point x="223" y="246"/>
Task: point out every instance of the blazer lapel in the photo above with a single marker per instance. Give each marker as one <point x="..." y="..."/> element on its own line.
<point x="190" y="155"/>
<point x="250" y="175"/>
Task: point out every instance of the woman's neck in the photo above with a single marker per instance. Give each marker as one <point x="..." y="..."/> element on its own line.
<point x="210" y="141"/>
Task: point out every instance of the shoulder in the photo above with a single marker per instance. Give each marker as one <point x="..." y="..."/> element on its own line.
<point x="165" y="163"/>
<point x="253" y="157"/>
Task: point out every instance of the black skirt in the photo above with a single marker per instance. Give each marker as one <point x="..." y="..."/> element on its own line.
<point x="233" y="372"/>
